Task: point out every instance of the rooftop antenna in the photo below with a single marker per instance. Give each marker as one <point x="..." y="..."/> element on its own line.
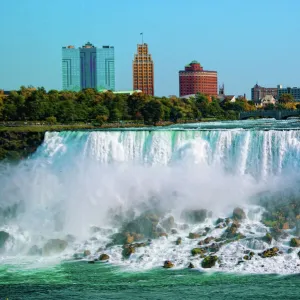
<point x="142" y="34"/>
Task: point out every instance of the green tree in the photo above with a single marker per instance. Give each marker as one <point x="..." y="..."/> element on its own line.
<point x="152" y="111"/>
<point x="285" y="98"/>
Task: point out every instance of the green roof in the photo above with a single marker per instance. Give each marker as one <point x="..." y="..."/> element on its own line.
<point x="188" y="65"/>
<point x="194" y="62"/>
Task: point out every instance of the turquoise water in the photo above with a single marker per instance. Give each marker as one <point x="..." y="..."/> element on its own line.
<point x="102" y="281"/>
<point x="76" y="178"/>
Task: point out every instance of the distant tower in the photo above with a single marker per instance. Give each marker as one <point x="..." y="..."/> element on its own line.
<point x="222" y="90"/>
<point x="143" y="70"/>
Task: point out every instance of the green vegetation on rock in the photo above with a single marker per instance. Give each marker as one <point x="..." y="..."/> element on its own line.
<point x="209" y="261"/>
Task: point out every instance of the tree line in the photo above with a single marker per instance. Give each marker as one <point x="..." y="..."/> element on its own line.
<point x="89" y="105"/>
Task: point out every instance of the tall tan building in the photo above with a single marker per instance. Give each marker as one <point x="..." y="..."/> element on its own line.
<point x="143" y="70"/>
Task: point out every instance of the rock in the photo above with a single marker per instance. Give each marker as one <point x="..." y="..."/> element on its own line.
<point x="3" y="238"/>
<point x="208" y="240"/>
<point x="168" y="223"/>
<point x="129" y="239"/>
<point x="231" y="231"/>
<point x="219" y="220"/>
<point x="209" y="261"/>
<point x="127" y="251"/>
<point x="269" y="252"/>
<point x="215" y="247"/>
<point x="70" y="238"/>
<point x="194" y="216"/>
<point x="246" y="257"/>
<point x="191" y="266"/>
<point x="220" y="226"/>
<point x="91" y="262"/>
<point x="298" y="225"/>
<point x="207" y="229"/>
<point x="201" y="243"/>
<point x="290" y="250"/>
<point x="285" y="226"/>
<point x="139" y="245"/>
<point x="299" y="254"/>
<point x="238" y="214"/>
<point x="267" y="238"/>
<point x="227" y="221"/>
<point x="178" y="241"/>
<point x="194" y="235"/>
<point x="168" y="264"/>
<point x="86" y="253"/>
<point x="35" y="250"/>
<point x="295" y="242"/>
<point x="54" y="246"/>
<point x="174" y="231"/>
<point x="163" y="234"/>
<point x="103" y="256"/>
<point x="198" y="251"/>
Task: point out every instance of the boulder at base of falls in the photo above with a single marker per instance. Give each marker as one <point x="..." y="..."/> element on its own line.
<point x="220" y="220"/>
<point x="168" y="264"/>
<point x="54" y="246"/>
<point x="209" y="261"/>
<point x="267" y="238"/>
<point x="194" y="216"/>
<point x="208" y="239"/>
<point x="231" y="232"/>
<point x="174" y="231"/>
<point x="127" y="251"/>
<point x="194" y="235"/>
<point x="86" y="253"/>
<point x="103" y="256"/>
<point x="168" y="223"/>
<point x="178" y="241"/>
<point x="3" y="238"/>
<point x="35" y="250"/>
<point x="238" y="214"/>
<point x="198" y="251"/>
<point x="191" y="266"/>
<point x="269" y="252"/>
<point x="295" y="242"/>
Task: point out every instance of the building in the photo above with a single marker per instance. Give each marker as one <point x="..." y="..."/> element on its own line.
<point x="195" y="80"/>
<point x="143" y="70"/>
<point x="88" y="67"/>
<point x="294" y="91"/>
<point x="259" y="92"/>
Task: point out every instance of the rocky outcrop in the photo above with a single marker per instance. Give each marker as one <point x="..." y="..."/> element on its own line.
<point x="295" y="242"/>
<point x="54" y="246"/>
<point x="208" y="239"/>
<point x="191" y="266"/>
<point x="238" y="214"/>
<point x="209" y="261"/>
<point x="103" y="256"/>
<point x="3" y="238"/>
<point x="168" y="264"/>
<point x="269" y="252"/>
<point x="195" y="216"/>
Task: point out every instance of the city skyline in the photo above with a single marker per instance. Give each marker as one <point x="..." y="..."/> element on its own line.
<point x="239" y="47"/>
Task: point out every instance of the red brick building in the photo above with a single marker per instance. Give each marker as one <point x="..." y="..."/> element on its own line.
<point x="195" y="80"/>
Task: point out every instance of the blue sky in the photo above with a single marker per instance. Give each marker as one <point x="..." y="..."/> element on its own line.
<point x="245" y="41"/>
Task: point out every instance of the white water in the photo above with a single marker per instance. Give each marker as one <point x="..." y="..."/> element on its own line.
<point x="75" y="178"/>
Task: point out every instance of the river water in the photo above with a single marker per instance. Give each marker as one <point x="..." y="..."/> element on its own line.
<point x="77" y="180"/>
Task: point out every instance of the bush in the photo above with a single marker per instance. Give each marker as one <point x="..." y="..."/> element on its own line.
<point x="51" y="120"/>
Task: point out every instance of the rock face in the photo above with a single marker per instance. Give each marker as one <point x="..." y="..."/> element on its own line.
<point x="194" y="216"/>
<point x="3" y="238"/>
<point x="238" y="214"/>
<point x="54" y="246"/>
<point x="295" y="242"/>
<point x="191" y="266"/>
<point x="104" y="257"/>
<point x="270" y="252"/>
<point x="209" y="261"/>
<point x="168" y="264"/>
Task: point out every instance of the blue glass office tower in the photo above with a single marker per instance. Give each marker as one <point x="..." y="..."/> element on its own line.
<point x="88" y="67"/>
